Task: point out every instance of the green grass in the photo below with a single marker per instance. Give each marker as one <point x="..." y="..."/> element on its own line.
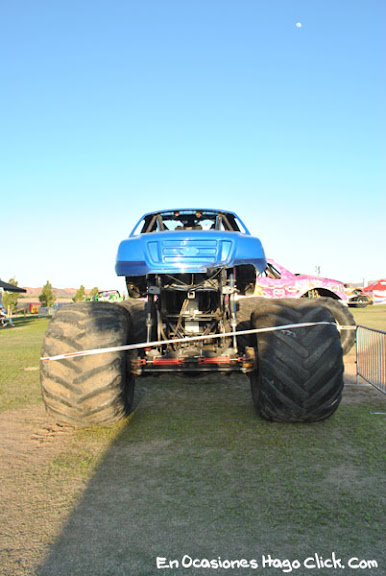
<point x="19" y="372"/>
<point x="195" y="471"/>
<point x="373" y="316"/>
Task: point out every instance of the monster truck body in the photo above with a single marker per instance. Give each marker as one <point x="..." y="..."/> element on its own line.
<point x="278" y="282"/>
<point x="189" y="273"/>
<point x="188" y="241"/>
<point x="190" y="264"/>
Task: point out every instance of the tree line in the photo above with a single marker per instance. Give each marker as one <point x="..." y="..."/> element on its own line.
<point x="46" y="297"/>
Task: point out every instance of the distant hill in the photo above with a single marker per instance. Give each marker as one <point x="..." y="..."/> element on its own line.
<point x="57" y="292"/>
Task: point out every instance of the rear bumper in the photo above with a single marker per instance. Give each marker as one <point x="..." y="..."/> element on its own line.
<point x="243" y="364"/>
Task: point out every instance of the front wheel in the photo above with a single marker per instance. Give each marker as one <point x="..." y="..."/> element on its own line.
<point x="88" y="390"/>
<point x="300" y="370"/>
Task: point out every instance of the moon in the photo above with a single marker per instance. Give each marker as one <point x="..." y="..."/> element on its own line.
<point x="299" y="24"/>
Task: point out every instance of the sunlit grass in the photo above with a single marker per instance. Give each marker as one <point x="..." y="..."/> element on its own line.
<point x="19" y="367"/>
<point x="373" y="316"/>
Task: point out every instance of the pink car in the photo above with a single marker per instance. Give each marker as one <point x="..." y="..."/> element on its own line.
<point x="277" y="282"/>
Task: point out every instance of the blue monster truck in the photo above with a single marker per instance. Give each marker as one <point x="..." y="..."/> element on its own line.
<point x="189" y="274"/>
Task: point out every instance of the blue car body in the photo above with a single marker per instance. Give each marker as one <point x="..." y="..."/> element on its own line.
<point x="157" y="249"/>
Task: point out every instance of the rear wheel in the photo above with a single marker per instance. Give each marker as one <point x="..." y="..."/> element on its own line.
<point x="245" y="307"/>
<point x="136" y="310"/>
<point x="300" y="370"/>
<point x="343" y="317"/>
<point x="88" y="390"/>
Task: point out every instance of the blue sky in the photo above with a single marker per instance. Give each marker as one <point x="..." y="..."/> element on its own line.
<point x="112" y="109"/>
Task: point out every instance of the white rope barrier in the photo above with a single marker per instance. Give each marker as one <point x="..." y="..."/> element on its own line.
<point x="80" y="353"/>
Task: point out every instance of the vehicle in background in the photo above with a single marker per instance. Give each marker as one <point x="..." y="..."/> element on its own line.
<point x="108" y="296"/>
<point x="356" y="297"/>
<point x="278" y="282"/>
<point x="27" y="308"/>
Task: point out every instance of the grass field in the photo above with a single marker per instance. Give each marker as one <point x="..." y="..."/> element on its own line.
<point x="372" y="316"/>
<point x="192" y="472"/>
<point x="20" y="353"/>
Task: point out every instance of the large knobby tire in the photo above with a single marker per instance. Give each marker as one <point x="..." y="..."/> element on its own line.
<point x="245" y="307"/>
<point x="136" y="310"/>
<point x="88" y="390"/>
<point x="300" y="370"/>
<point x="343" y="317"/>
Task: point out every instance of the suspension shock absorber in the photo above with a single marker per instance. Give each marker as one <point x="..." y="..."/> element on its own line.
<point x="232" y="307"/>
<point x="149" y="322"/>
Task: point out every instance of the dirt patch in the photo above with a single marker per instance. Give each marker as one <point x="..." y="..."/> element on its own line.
<point x="29" y="439"/>
<point x="30" y="508"/>
<point x="358" y="391"/>
<point x="360" y="394"/>
<point x="350" y="367"/>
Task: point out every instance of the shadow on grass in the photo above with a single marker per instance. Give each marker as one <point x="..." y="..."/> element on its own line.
<point x="195" y="472"/>
<point x="26" y="320"/>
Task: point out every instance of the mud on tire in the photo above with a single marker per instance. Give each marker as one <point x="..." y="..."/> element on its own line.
<point x="300" y="371"/>
<point x="88" y="390"/>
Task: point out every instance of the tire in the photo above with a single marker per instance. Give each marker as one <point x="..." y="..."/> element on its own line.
<point x="136" y="286"/>
<point x="359" y="302"/>
<point x="300" y="371"/>
<point x="246" y="306"/>
<point x="90" y="390"/>
<point x="136" y="310"/>
<point x="343" y="317"/>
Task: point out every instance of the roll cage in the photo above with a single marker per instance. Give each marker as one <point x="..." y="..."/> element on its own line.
<point x="177" y="220"/>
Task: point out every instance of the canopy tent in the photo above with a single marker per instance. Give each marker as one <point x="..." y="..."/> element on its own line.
<point x="10" y="287"/>
<point x="378" y="291"/>
<point x="6" y="287"/>
<point x="378" y="285"/>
